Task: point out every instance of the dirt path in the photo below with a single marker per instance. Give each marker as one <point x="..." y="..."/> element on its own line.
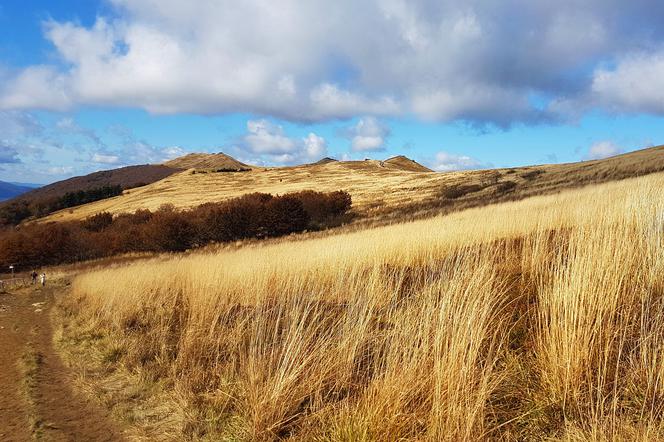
<point x="37" y="401"/>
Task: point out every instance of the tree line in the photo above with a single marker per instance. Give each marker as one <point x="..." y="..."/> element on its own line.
<point x="256" y="215"/>
<point x="14" y="212"/>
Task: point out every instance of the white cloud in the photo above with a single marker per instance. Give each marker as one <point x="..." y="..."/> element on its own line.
<point x="448" y="162"/>
<point x="59" y="170"/>
<point x="329" y="101"/>
<point x="635" y="84"/>
<point x="442" y="60"/>
<point x="105" y="159"/>
<point x="368" y="135"/>
<point x="263" y="137"/>
<point x="141" y="152"/>
<point x="172" y="152"/>
<point x="465" y="102"/>
<point x="36" y="87"/>
<point x="603" y="149"/>
<point x="315" y="147"/>
<point x="270" y="142"/>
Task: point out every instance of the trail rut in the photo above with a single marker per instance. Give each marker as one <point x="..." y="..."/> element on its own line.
<point x="37" y="397"/>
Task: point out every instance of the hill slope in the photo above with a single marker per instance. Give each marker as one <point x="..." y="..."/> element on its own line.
<point x="207" y="161"/>
<point x="380" y="192"/>
<point x="127" y="177"/>
<point x="404" y="163"/>
<point x="10" y="190"/>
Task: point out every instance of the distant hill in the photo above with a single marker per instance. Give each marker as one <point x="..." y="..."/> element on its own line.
<point x="388" y="190"/>
<point x="12" y="190"/>
<point x="325" y="161"/>
<point x="29" y="185"/>
<point x="215" y="161"/>
<point x="404" y="163"/>
<point x="126" y="177"/>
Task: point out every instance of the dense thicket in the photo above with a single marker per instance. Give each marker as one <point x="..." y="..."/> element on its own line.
<point x="256" y="215"/>
<point x="72" y="199"/>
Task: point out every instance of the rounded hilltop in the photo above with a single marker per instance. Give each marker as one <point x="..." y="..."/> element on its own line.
<point x="223" y="161"/>
<point x="404" y="163"/>
<point x="399" y="162"/>
<point x="207" y="161"/>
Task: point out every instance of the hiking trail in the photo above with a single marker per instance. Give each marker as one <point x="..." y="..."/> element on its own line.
<point x="37" y="398"/>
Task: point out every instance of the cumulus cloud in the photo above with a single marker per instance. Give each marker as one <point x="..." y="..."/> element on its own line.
<point x="263" y="137"/>
<point x="269" y="141"/>
<point x="329" y="101"/>
<point x="635" y="84"/>
<point x="315" y="147"/>
<point x="368" y="135"/>
<point x="36" y="87"/>
<point x="448" y="162"/>
<point x="59" y="170"/>
<point x="602" y="149"/>
<point x="105" y="159"/>
<point x="142" y="152"/>
<point x="441" y="60"/>
<point x="171" y="152"/>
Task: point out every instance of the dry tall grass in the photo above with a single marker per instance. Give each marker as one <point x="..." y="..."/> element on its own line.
<point x="530" y="320"/>
<point x="382" y="192"/>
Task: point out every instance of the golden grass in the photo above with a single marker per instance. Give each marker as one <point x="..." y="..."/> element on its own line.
<point x="382" y="191"/>
<point x="531" y="320"/>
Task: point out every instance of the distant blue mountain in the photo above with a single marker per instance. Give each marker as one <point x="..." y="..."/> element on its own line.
<point x="11" y="190"/>
<point x="30" y="185"/>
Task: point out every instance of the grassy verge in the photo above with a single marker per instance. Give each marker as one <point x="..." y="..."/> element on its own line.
<point x="149" y="407"/>
<point x="29" y="366"/>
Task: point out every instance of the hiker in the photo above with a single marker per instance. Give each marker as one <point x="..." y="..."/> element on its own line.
<point x="43" y="279"/>
<point x="34" y="277"/>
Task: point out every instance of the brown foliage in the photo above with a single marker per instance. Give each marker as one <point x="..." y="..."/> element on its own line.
<point x="255" y="215"/>
<point x="457" y="191"/>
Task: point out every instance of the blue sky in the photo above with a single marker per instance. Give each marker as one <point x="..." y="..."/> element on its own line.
<point x="88" y="85"/>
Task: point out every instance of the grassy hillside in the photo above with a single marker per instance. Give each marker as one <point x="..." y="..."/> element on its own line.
<point x="534" y="320"/>
<point x="126" y="177"/>
<point x="213" y="161"/>
<point x="381" y="190"/>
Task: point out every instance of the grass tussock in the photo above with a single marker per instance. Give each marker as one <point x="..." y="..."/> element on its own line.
<point x="534" y="320"/>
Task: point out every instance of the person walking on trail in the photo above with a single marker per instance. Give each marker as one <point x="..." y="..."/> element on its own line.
<point x="43" y="279"/>
<point x="34" y="277"/>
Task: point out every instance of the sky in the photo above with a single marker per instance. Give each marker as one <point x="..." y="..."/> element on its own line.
<point x="87" y="85"/>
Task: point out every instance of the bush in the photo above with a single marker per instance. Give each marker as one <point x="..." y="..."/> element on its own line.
<point x="457" y="191"/>
<point x="506" y="186"/>
<point x="324" y="207"/>
<point x="170" y="231"/>
<point x="13" y="213"/>
<point x="284" y="215"/>
<point x="255" y="215"/>
<point x="532" y="174"/>
<point x="98" y="222"/>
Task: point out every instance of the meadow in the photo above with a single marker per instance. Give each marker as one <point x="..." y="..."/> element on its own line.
<point x="382" y="191"/>
<point x="541" y="319"/>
